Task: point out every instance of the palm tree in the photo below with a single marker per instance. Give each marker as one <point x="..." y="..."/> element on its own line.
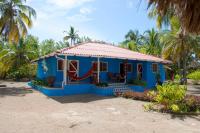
<point x="132" y="40"/>
<point x="72" y="35"/>
<point x="161" y="20"/>
<point x="84" y="39"/>
<point x="14" y="56"/>
<point x="15" y="18"/>
<point x="131" y="45"/>
<point x="187" y="11"/>
<point x="133" y="36"/>
<point x="180" y="47"/>
<point x="151" y="38"/>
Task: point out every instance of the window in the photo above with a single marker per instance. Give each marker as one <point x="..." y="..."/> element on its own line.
<point x="60" y="65"/>
<point x="103" y="66"/>
<point x="155" y="68"/>
<point x="129" y="67"/>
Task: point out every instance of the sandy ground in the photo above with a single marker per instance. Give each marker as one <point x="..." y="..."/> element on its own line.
<point x="28" y="111"/>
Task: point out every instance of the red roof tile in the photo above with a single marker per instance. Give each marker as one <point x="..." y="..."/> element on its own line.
<point x="97" y="49"/>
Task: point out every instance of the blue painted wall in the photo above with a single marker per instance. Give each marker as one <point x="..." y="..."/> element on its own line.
<point x="85" y="64"/>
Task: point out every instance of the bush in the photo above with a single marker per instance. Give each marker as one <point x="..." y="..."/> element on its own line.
<point x="194" y="75"/>
<point x="102" y="84"/>
<point x="171" y="97"/>
<point x="169" y="94"/>
<point x="40" y="82"/>
<point x="177" y="77"/>
<point x="137" y="82"/>
<point x="25" y="71"/>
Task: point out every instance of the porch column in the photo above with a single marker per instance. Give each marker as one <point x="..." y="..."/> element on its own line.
<point x="98" y="69"/>
<point x="65" y="71"/>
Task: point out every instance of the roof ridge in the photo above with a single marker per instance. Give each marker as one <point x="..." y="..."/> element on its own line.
<point x="110" y="44"/>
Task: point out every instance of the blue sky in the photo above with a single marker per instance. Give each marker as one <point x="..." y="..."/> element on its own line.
<point x="107" y="20"/>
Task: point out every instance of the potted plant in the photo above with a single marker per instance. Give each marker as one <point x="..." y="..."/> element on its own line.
<point x="50" y="80"/>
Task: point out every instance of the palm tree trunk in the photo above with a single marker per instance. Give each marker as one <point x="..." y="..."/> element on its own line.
<point x="184" y="71"/>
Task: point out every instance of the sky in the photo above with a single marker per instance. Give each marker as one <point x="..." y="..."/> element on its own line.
<point x="107" y="20"/>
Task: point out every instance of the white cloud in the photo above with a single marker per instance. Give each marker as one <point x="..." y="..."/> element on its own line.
<point x="68" y="4"/>
<point x="85" y="10"/>
<point x="82" y="16"/>
<point x="130" y="4"/>
<point x="54" y="16"/>
<point x="79" y="18"/>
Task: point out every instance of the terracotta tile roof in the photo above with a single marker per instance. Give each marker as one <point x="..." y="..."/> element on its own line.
<point x="97" y="49"/>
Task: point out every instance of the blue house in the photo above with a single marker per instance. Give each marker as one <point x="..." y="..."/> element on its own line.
<point x="78" y="69"/>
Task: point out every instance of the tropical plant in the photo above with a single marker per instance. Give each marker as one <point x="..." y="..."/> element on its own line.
<point x="169" y="96"/>
<point x="194" y="75"/>
<point x="187" y="12"/>
<point x="47" y="46"/>
<point x="15" y="17"/>
<point x="137" y="82"/>
<point x="32" y="44"/>
<point x="83" y="39"/>
<point x="39" y="82"/>
<point x="179" y="47"/>
<point x="130" y="45"/>
<point x="151" y="38"/>
<point x="62" y="44"/>
<point x="72" y="35"/>
<point x="163" y="20"/>
<point x="133" y="36"/>
<point x="12" y="57"/>
<point x="27" y="71"/>
<point x="132" y="40"/>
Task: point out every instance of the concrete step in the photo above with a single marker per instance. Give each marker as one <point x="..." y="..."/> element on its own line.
<point x="121" y="89"/>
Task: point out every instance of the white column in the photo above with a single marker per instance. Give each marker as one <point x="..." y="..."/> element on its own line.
<point x="65" y="71"/>
<point x="98" y="69"/>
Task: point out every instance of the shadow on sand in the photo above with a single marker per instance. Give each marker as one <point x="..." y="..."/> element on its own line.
<point x="85" y="98"/>
<point x="183" y="117"/>
<point x="13" y="91"/>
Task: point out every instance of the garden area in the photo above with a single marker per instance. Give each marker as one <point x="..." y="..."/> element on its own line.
<point x="168" y="98"/>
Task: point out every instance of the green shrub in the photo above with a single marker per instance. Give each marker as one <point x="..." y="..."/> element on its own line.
<point x="40" y="82"/>
<point x="169" y="94"/>
<point x="137" y="82"/>
<point x="194" y="75"/>
<point x="177" y="77"/>
<point x="102" y="84"/>
<point x="25" y="71"/>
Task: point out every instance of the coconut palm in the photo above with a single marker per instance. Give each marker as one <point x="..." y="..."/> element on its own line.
<point x="161" y="20"/>
<point x="83" y="39"/>
<point x="132" y="40"/>
<point x="180" y="47"/>
<point x="151" y="38"/>
<point x="72" y="35"/>
<point x="187" y="11"/>
<point x="14" y="56"/>
<point x="15" y="18"/>
<point x="133" y="36"/>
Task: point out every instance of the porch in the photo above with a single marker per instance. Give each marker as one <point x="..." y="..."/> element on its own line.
<point x="75" y="89"/>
